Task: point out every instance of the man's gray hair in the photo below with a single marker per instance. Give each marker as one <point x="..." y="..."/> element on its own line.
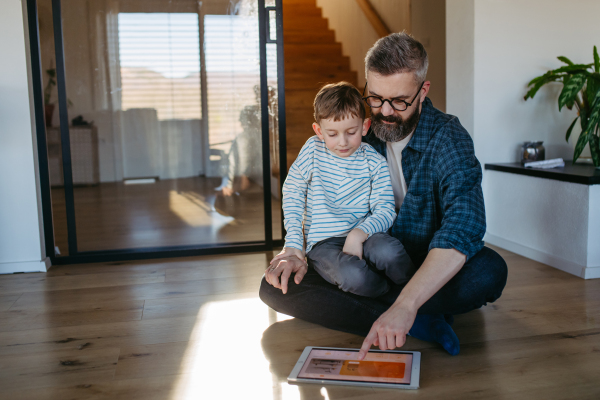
<point x="397" y="52"/>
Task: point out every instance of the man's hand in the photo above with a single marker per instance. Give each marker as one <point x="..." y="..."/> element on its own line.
<point x="287" y="252"/>
<point x="354" y="243"/>
<point x="284" y="268"/>
<point x="390" y="330"/>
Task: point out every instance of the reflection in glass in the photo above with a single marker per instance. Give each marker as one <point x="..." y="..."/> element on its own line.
<point x="149" y="168"/>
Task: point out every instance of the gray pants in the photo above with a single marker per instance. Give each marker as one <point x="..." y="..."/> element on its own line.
<point x="383" y="256"/>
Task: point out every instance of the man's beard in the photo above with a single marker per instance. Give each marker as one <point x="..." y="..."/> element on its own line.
<point x="397" y="131"/>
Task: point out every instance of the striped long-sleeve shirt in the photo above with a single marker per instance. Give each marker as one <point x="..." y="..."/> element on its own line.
<point x="331" y="195"/>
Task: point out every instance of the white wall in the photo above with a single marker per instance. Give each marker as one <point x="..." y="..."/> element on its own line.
<point x="496" y="48"/>
<point x="460" y="61"/>
<point x="514" y="41"/>
<point x="21" y="240"/>
<point x="428" y="25"/>
<point x="425" y="19"/>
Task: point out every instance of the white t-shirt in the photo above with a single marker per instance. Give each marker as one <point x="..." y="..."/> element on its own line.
<point x="394" y="160"/>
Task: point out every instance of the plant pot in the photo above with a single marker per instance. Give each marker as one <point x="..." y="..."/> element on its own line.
<point x="48" y="113"/>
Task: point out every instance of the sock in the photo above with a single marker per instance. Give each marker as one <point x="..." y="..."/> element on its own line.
<point x="434" y="328"/>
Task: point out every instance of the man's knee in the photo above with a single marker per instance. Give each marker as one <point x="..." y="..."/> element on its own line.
<point x="486" y="273"/>
<point x="268" y="293"/>
<point x="496" y="272"/>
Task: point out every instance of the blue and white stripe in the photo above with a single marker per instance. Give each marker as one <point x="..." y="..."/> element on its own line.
<point x="331" y="195"/>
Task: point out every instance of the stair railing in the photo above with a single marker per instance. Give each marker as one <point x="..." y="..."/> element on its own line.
<point x="374" y="18"/>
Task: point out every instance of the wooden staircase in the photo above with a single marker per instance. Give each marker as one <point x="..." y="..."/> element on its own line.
<point x="312" y="59"/>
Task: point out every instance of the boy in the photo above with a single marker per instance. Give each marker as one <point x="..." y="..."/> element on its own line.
<point x="339" y="188"/>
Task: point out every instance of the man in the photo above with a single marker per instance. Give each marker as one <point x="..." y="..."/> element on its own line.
<point x="436" y="180"/>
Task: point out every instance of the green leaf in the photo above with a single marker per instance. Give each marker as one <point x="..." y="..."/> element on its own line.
<point x="595" y="148"/>
<point x="595" y="103"/>
<point x="539" y="82"/>
<point x="565" y="60"/>
<point x="581" y="142"/>
<point x="544" y="77"/>
<point x="571" y="129"/>
<point x="591" y="88"/>
<point x="572" y="68"/>
<point x="570" y="91"/>
<point x="596" y="60"/>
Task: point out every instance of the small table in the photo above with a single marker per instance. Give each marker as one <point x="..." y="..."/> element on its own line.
<point x="549" y="215"/>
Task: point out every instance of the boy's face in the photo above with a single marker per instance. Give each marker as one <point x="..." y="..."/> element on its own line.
<point x="342" y="137"/>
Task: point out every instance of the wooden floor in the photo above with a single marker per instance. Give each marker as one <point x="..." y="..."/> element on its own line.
<point x="172" y="212"/>
<point x="170" y="330"/>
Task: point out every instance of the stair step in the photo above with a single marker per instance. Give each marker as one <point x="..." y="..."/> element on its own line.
<point x="301" y="36"/>
<point x="306" y="23"/>
<point x="312" y="65"/>
<point x="312" y="3"/>
<point x="299" y="80"/>
<point x="312" y="50"/>
<point x="290" y="10"/>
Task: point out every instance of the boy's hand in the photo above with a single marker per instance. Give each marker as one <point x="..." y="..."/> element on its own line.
<point x="354" y="243"/>
<point x="287" y="252"/>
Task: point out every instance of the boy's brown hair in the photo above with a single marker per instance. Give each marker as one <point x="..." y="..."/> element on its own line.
<point x="337" y="101"/>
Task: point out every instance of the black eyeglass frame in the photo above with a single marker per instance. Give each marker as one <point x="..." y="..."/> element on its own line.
<point x="391" y="100"/>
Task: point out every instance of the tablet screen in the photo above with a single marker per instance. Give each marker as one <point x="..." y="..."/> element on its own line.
<point x="344" y="366"/>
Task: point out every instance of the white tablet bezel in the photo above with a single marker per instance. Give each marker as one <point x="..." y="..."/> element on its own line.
<point x="414" y="376"/>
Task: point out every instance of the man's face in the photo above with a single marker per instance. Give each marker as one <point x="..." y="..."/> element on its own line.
<point x="342" y="137"/>
<point x="388" y="124"/>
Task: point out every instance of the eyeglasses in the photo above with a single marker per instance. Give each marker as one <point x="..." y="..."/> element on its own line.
<point x="397" y="104"/>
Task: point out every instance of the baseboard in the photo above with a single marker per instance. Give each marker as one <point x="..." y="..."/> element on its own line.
<point x="559" y="263"/>
<point x="25" y="266"/>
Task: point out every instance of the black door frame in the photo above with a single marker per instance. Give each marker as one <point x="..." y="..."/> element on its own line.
<point x="76" y="256"/>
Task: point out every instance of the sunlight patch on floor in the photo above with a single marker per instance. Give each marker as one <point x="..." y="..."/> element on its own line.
<point x="225" y="358"/>
<point x="196" y="211"/>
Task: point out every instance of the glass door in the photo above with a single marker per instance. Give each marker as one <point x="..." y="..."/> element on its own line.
<point x="167" y="128"/>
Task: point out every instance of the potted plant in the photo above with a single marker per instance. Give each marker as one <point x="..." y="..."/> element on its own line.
<point x="581" y="88"/>
<point x="49" y="107"/>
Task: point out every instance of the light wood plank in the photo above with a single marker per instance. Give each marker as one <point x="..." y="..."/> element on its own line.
<point x="70" y="315"/>
<point x="37" y="282"/>
<point x="57" y="368"/>
<point x="7" y="301"/>
<point x="50" y="300"/>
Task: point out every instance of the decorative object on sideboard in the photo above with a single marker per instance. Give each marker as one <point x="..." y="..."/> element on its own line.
<point x="79" y="121"/>
<point x="532" y="151"/>
<point x="48" y="106"/>
<point x="581" y="88"/>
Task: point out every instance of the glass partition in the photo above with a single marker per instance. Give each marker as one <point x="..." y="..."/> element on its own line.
<point x="165" y="123"/>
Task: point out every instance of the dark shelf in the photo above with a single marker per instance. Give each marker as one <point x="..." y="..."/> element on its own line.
<point x="574" y="173"/>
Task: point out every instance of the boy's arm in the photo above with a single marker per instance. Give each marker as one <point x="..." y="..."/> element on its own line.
<point x="382" y="203"/>
<point x="295" y="189"/>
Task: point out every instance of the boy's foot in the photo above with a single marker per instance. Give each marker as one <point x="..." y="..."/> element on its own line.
<point x="434" y="328"/>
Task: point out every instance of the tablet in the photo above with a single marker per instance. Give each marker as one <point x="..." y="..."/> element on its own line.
<point x="335" y="366"/>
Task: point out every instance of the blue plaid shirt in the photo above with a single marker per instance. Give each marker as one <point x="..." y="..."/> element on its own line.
<point x="443" y="207"/>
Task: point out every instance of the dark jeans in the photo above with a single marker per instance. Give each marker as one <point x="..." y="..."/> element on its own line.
<point x="383" y="255"/>
<point x="480" y="281"/>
